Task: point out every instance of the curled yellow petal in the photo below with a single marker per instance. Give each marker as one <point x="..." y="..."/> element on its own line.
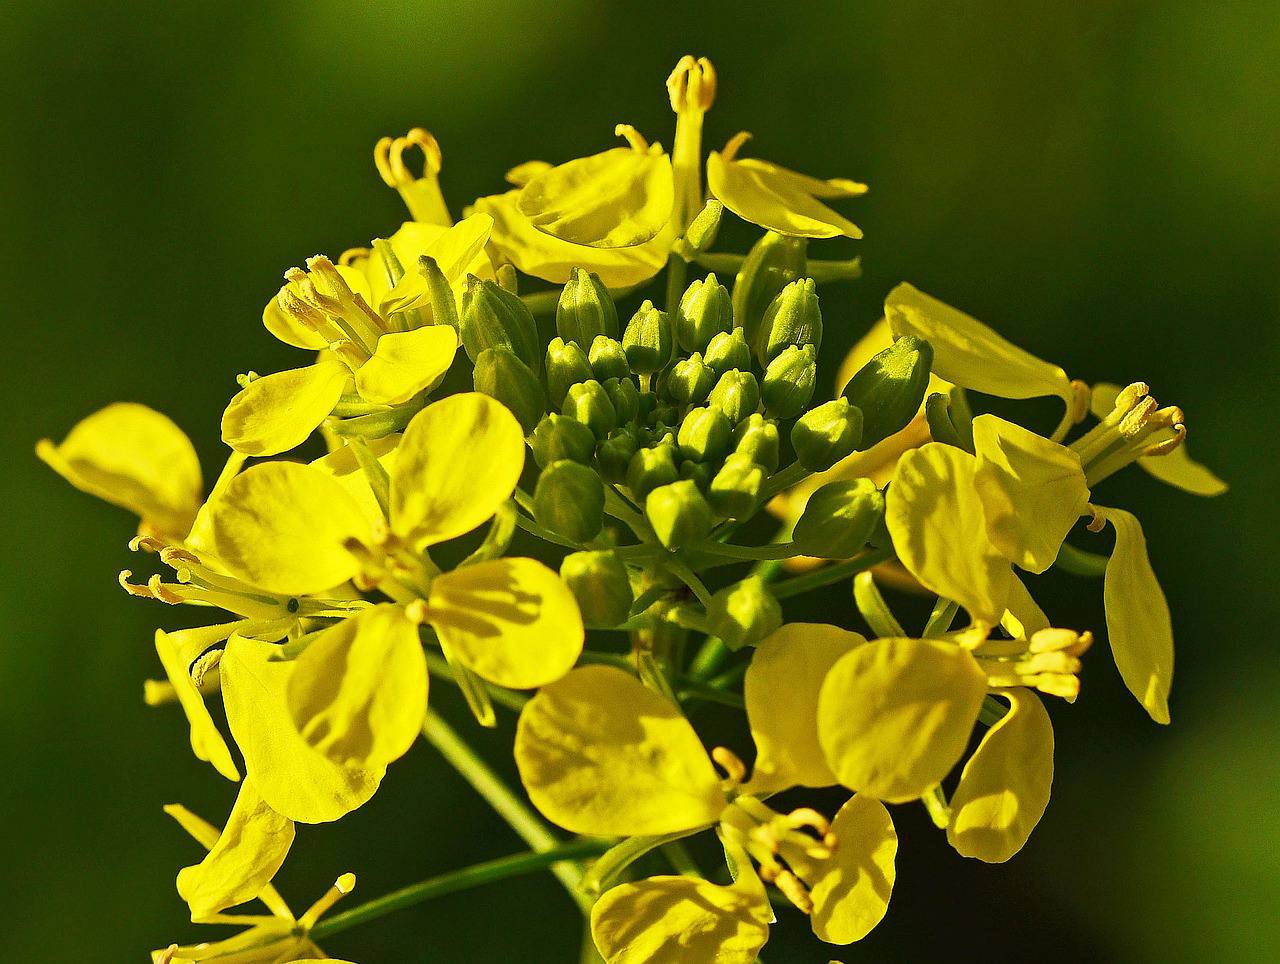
<point x="294" y="779"/>
<point x="282" y="526"/>
<point x="358" y="692"/>
<point x="249" y="851"/>
<point x="894" y="716"/>
<point x="600" y="754"/>
<point x="277" y="412"/>
<point x="1004" y="788"/>
<point x="136" y="458"/>
<point x="511" y="621"/>
<point x="1032" y="491"/>
<point x="939" y="530"/>
<point x="1138" y="624"/>
<point x="176" y="650"/>
<point x="406" y="362"/>
<point x="459" y="460"/>
<point x="781" y="692"/>
<point x="852" y="894"/>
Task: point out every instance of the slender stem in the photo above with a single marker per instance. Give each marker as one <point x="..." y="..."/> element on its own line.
<point x="777" y="551"/>
<point x="866" y="595"/>
<point x="825" y="577"/>
<point x="687" y="689"/>
<point x="617" y="507"/>
<point x="939" y="623"/>
<point x="456" y="880"/>
<point x="677" y="273"/>
<point x="531" y="527"/>
<point x="440" y="670"/>
<point x="617" y="859"/>
<point x="793" y="473"/>
<point x="1079" y="562"/>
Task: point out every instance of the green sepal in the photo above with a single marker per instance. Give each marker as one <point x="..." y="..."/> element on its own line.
<point x="607" y="359"/>
<point x="560" y="437"/>
<point x="647" y="340"/>
<point x="585" y="310"/>
<point x="679" y="514"/>
<point x="789" y="381"/>
<point x="599" y="581"/>
<point x="705" y="310"/>
<point x="704" y="435"/>
<point x="727" y="351"/>
<point x="495" y="318"/>
<point x="744" y="613"/>
<point x="735" y="491"/>
<point x="614" y="454"/>
<point x="690" y="381"/>
<point x="501" y="375"/>
<point x="588" y="403"/>
<point x="773" y="263"/>
<point x="890" y="387"/>
<point x="569" y="501"/>
<point x="824" y="435"/>
<point x="792" y="318"/>
<point x="757" y="438"/>
<point x="839" y="519"/>
<point x="651" y="468"/>
<point x="566" y="365"/>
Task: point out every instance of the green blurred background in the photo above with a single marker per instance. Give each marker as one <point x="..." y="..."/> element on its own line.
<point x="1101" y="181"/>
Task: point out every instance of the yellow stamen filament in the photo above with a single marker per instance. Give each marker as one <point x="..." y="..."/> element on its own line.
<point x="728" y="761"/>
<point x="735" y="144"/>
<point x="633" y="137"/>
<point x="341" y="887"/>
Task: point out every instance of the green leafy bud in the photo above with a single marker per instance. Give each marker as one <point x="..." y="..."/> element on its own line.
<point x="560" y="437"/>
<point x="678" y="513"/>
<point x="824" y="435"/>
<point x="585" y="310"/>
<point x="890" y="387"/>
<point x="690" y="381"/>
<point x="773" y="263"/>
<point x="651" y="468"/>
<point x="793" y="318"/>
<point x="599" y="582"/>
<point x="625" y="397"/>
<point x="614" y="454"/>
<point x="735" y="490"/>
<point x="757" y="438"/>
<point x="744" y="613"/>
<point x="702" y="230"/>
<point x="495" y="318"/>
<point x="789" y="381"/>
<point x="839" y="519"/>
<point x="607" y="358"/>
<point x="704" y="435"/>
<point x="727" y="351"/>
<point x="705" y="311"/>
<point x="737" y="394"/>
<point x="569" y="501"/>
<point x="699" y="473"/>
<point x="647" y="340"/>
<point x="501" y="375"/>
<point x="588" y="403"/>
<point x="567" y="365"/>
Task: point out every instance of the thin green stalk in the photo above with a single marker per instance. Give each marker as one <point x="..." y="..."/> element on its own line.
<point x="866" y="595"/>
<point x="618" y="858"/>
<point x="440" y="670"/>
<point x="1078" y="562"/>
<point x="826" y="576"/>
<point x="773" y="552"/>
<point x="531" y="527"/>
<point x="456" y="880"/>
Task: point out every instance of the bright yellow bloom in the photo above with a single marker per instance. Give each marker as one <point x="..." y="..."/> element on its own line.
<point x="177" y="652"/>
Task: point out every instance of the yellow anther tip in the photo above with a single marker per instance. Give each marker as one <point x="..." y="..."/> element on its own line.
<point x="346" y="883"/>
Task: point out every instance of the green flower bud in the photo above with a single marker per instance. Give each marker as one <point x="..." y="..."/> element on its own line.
<point x="569" y="501"/>
<point x="839" y="519"/>
<point x="678" y="513"/>
<point x="824" y="435"/>
<point x="647" y="340"/>
<point x="495" y="318"/>
<point x="560" y="437"/>
<point x="793" y="318"/>
<point x="773" y="263"/>
<point x="702" y="231"/>
<point x="737" y="394"/>
<point x="614" y="454"/>
<point x="588" y="403"/>
<point x="890" y="387"/>
<point x="648" y="402"/>
<point x="501" y="375"/>
<point x="690" y="381"/>
<point x="599" y="582"/>
<point x="607" y="358"/>
<point x="664" y="416"/>
<point x="757" y="438"/>
<point x="651" y="468"/>
<point x="704" y="435"/>
<point x="789" y="380"/>
<point x="625" y="397"/>
<point x="699" y="473"/>
<point x="735" y="490"/>
<point x="585" y="310"/>
<point x="744" y="613"/>
<point x="705" y="311"/>
<point x="566" y="365"/>
<point x="727" y="351"/>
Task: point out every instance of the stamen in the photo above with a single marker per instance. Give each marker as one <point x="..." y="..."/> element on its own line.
<point x="735" y="144"/>
<point x="794" y="890"/>
<point x="692" y="84"/>
<point x="728" y="761"/>
<point x="633" y="137"/>
<point x="341" y="887"/>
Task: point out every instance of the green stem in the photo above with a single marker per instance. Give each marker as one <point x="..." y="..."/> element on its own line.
<point x="776" y="551"/>
<point x="456" y="880"/>
<point x="617" y="859"/>
<point x="531" y="527"/>
<point x="866" y="595"/>
<point x="826" y="576"/>
<point x="793" y="473"/>
<point x="677" y="274"/>
<point x="440" y="670"/>
<point x="939" y="623"/>
<point x="1078" y="562"/>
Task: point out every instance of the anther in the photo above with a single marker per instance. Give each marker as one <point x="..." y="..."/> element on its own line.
<point x="735" y="144"/>
<point x="794" y="891"/>
<point x="728" y="761"/>
<point x="692" y="84"/>
<point x="633" y="137"/>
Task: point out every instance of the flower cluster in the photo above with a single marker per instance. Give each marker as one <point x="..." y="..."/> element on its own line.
<point x="654" y="442"/>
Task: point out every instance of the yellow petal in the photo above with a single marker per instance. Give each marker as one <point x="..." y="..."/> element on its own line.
<point x="600" y="754"/>
<point x="1138" y="623"/>
<point x="1024" y="617"/>
<point x="358" y="692"/>
<point x="852" y="894"/>
<point x="939" y="530"/>
<point x="781" y="691"/>
<point x="512" y="621"/>
<point x="895" y="715"/>
<point x="275" y="413"/>
<point x="248" y="853"/>
<point x="968" y="353"/>
<point x="780" y="200"/>
<point x="681" y="919"/>
<point x="282" y="526"/>
<point x="345" y="468"/>
<point x="615" y="199"/>
<point x="551" y="259"/>
<point x="281" y="324"/>
<point x="176" y="651"/>
<point x="1032" y="491"/>
<point x="455" y="250"/>
<point x="295" y="780"/>
<point x="459" y="460"/>
<point x="135" y="458"/>
<point x="405" y="363"/>
<point x="1004" y="787"/>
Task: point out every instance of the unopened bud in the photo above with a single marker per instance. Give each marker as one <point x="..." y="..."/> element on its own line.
<point x="737" y="394"/>
<point x="792" y="318"/>
<point x="625" y="397"/>
<point x="501" y="375"/>
<point x="647" y="340"/>
<point x="614" y="454"/>
<point x="588" y="403"/>
<point x="735" y="490"/>
<point x="585" y="310"/>
<point x="789" y="381"/>
<point x="702" y="231"/>
<point x="757" y="438"/>
<point x="599" y="582"/>
<point x="744" y="613"/>
<point x="560" y="437"/>
<point x="607" y="358"/>
<point x="567" y="365"/>
<point x="690" y="381"/>
<point x="705" y="311"/>
<point x="727" y="351"/>
<point x="699" y="473"/>
<point x="773" y="263"/>
<point x="839" y="519"/>
<point x="495" y="318"/>
<point x="679" y="514"/>
<point x="890" y="387"/>
<point x="569" y="501"/>
<point x="651" y="468"/>
<point x="704" y="435"/>
<point x="824" y="435"/>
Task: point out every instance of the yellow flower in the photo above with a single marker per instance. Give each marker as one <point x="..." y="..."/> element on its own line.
<point x="178" y="651"/>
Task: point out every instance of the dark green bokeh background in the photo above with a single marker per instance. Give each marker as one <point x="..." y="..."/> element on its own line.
<point x="1101" y="181"/>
